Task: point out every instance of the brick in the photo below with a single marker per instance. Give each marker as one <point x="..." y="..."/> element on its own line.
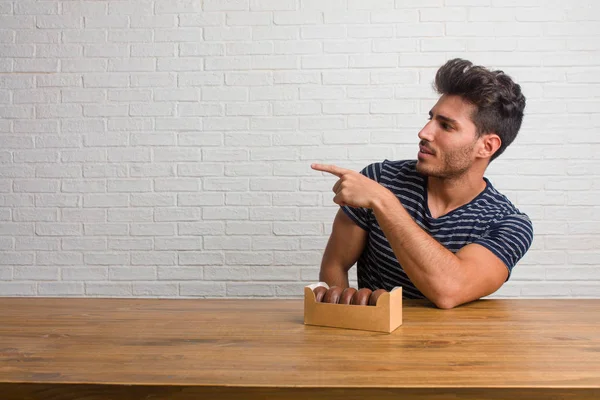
<point x="151" y="170"/>
<point x="272" y="5"/>
<point x="130" y="244"/>
<point x="104" y="171"/>
<point x="129" y="155"/>
<point x="226" y="243"/>
<point x="324" y="62"/>
<point x="35" y="8"/>
<point x="248" y="258"/>
<point x="129" y="215"/>
<point x="224" y="213"/>
<point x="84" y="8"/>
<point x="399" y="15"/>
<point x="105" y="258"/>
<point x="158" y="79"/>
<point x="107" y="289"/>
<point x="61" y="289"/>
<point x="35" y="215"/>
<point x="248" y="228"/>
<point x="137" y="64"/>
<point x="6" y="274"/>
<point x="248" y="169"/>
<point x="297" y="17"/>
<point x="203" y="289"/>
<point x="250" y="289"/>
<point x="221" y="34"/>
<point x="6" y="243"/>
<point x="226" y="5"/>
<point x="55" y="22"/>
<point x="58" y="258"/>
<point x="298" y="47"/>
<point x="247" y="198"/>
<point x="155" y="289"/>
<point x="144" y="7"/>
<point x="177" y="184"/>
<point x="16" y="112"/>
<point x="16" y="200"/>
<point x="225" y="184"/>
<point x="297" y="258"/>
<point x="35" y="156"/>
<point x="16" y="258"/>
<point x="168" y="214"/>
<point x="227" y="273"/>
<point x="204" y="199"/>
<point x="153" y="21"/>
<point x="224" y="155"/>
<point x="297" y="228"/>
<point x="180" y="273"/>
<point x="152" y="199"/>
<point x="177" y="6"/>
<point x="83" y="186"/>
<point x="157" y="109"/>
<point x="273" y="213"/>
<point x="16" y="229"/>
<point x="248" y="109"/>
<point x="35" y="186"/>
<point x="102" y="229"/>
<point x="200" y="258"/>
<point x="202" y="19"/>
<point x="154" y="258"/>
<point x="18" y="289"/>
<point x="83" y="215"/>
<point x="132" y="35"/>
<point x="131" y="273"/>
<point x="110" y="21"/>
<point x="35" y="65"/>
<point x="313" y="243"/>
<point x="201" y="228"/>
<point x="26" y="36"/>
<point x="84" y="273"/>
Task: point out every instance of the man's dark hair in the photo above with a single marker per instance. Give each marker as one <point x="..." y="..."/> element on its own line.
<point x="498" y="99"/>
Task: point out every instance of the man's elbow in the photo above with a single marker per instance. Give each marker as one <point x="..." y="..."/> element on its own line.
<point x="447" y="299"/>
<point x="446" y="303"/>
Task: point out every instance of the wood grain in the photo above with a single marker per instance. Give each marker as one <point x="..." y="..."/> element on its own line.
<point x="180" y="349"/>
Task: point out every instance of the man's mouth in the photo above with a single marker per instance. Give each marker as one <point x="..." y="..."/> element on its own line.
<point x="425" y="150"/>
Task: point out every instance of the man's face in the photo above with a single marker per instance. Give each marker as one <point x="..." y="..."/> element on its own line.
<point x="448" y="140"/>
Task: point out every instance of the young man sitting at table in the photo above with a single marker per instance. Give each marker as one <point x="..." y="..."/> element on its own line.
<point x="436" y="226"/>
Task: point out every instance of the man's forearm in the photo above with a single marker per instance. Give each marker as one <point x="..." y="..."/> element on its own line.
<point x="432" y="268"/>
<point x="334" y="275"/>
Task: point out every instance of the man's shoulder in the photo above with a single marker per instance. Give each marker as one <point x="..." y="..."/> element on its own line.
<point x="498" y="205"/>
<point x="407" y="168"/>
<point x="390" y="169"/>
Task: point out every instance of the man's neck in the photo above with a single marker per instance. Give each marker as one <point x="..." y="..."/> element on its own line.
<point x="447" y="194"/>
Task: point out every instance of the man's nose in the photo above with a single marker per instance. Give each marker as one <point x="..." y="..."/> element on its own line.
<point x="426" y="133"/>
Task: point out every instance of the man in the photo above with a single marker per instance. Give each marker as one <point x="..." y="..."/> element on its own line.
<point x="436" y="226"/>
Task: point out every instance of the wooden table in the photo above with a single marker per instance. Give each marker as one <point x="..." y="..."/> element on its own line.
<point x="249" y="349"/>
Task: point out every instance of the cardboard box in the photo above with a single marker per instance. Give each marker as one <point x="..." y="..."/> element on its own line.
<point x="386" y="316"/>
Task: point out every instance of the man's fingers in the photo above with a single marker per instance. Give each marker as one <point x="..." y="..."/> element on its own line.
<point x="337" y="199"/>
<point x="336" y="187"/>
<point x="332" y="169"/>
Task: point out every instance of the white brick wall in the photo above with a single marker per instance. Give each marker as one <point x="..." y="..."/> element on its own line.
<point x="161" y="148"/>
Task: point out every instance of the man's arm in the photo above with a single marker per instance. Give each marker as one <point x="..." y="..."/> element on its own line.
<point x="445" y="278"/>
<point x="344" y="247"/>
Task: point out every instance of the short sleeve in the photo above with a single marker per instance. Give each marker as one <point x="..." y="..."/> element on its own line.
<point x="509" y="239"/>
<point x="360" y="215"/>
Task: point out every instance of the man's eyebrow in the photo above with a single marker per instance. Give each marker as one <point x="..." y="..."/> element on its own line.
<point x="444" y="118"/>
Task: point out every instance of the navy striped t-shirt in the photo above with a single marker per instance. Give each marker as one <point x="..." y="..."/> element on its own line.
<point x="489" y="220"/>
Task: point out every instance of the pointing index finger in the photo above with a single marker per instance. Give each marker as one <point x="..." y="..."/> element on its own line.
<point x="332" y="169"/>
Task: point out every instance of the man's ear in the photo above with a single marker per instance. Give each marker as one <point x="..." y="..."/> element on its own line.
<point x="491" y="142"/>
